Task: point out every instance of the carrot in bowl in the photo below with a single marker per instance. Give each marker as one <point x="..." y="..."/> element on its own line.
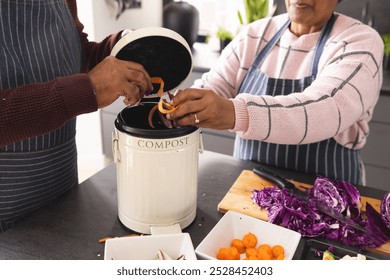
<point x="277" y="250"/>
<point x="239" y="244"/>
<point x="264" y="252"/>
<point x="250" y="240"/>
<point x="251" y="252"/>
<point x="228" y="253"/>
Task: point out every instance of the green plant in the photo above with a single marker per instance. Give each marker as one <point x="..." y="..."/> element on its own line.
<point x="386" y="41"/>
<point x="224" y="34"/>
<point x="254" y="10"/>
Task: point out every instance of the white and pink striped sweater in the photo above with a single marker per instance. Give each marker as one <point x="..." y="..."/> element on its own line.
<point x="338" y="104"/>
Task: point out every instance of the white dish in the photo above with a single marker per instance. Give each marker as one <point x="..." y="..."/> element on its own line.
<point x="146" y="247"/>
<point x="235" y="225"/>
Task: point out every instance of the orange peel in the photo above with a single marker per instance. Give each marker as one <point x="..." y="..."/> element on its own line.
<point x="166" y="108"/>
<point x="163" y="106"/>
<point x="158" y="80"/>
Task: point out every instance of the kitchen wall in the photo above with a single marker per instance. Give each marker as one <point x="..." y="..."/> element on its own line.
<point x="105" y="22"/>
<point x="373" y="12"/>
<point x="219" y="13"/>
<point x="89" y="143"/>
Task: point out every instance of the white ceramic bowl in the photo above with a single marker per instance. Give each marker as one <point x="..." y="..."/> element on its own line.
<point x="235" y="225"/>
<point x="146" y="247"/>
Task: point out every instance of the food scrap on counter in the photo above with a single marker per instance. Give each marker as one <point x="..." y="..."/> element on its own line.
<point x="104" y="239"/>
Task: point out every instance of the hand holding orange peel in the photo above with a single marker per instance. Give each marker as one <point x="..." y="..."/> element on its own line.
<point x="158" y="80"/>
<point x="163" y="106"/>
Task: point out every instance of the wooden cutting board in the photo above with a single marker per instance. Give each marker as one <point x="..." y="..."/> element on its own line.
<point x="238" y="199"/>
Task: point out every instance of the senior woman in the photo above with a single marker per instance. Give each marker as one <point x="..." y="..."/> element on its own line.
<point x="299" y="89"/>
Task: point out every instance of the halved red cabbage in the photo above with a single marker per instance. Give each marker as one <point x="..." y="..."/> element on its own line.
<point x="287" y="210"/>
<point x="385" y="209"/>
<point x="341" y="196"/>
<point x="377" y="230"/>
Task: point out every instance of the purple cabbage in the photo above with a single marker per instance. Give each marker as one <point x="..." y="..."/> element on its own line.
<point x="287" y="210"/>
<point x="341" y="196"/>
<point x="377" y="230"/>
<point x="385" y="209"/>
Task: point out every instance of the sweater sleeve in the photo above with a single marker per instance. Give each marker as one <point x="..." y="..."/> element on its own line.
<point x="36" y="109"/>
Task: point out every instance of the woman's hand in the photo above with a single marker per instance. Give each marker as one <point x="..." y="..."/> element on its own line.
<point x="113" y="77"/>
<point x="202" y="108"/>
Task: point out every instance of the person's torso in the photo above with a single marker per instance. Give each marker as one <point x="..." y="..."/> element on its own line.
<point x="327" y="157"/>
<point x="38" y="42"/>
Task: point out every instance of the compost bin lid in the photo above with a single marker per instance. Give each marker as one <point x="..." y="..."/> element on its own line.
<point x="162" y="52"/>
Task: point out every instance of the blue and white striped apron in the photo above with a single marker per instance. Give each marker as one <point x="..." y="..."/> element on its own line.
<point x="326" y="158"/>
<point x="38" y="42"/>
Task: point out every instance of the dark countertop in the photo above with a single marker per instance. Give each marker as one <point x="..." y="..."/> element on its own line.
<point x="71" y="226"/>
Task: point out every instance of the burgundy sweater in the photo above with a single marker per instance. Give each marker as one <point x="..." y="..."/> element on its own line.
<point x="35" y="109"/>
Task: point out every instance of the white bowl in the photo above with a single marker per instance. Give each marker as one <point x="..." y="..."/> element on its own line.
<point x="146" y="247"/>
<point x="235" y="225"/>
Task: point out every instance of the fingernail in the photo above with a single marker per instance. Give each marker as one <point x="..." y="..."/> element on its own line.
<point x="168" y="116"/>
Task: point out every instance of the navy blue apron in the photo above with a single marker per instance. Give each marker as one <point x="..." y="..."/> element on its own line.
<point x="38" y="42"/>
<point x="327" y="157"/>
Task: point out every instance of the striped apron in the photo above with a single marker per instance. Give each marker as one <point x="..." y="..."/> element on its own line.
<point x="327" y="157"/>
<point x="39" y="42"/>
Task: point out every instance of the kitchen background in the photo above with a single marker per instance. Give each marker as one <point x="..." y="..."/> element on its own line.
<point x="103" y="17"/>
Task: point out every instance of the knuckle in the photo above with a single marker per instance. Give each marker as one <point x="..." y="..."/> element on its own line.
<point x="137" y="75"/>
<point x="187" y="106"/>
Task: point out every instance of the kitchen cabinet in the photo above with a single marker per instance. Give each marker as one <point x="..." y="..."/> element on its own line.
<point x="376" y="153"/>
<point x="108" y="116"/>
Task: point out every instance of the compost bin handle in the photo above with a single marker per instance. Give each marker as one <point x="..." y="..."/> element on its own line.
<point x="115" y="147"/>
<point x="201" y="147"/>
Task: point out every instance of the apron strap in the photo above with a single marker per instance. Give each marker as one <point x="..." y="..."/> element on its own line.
<point x="267" y="49"/>
<point x="321" y="44"/>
